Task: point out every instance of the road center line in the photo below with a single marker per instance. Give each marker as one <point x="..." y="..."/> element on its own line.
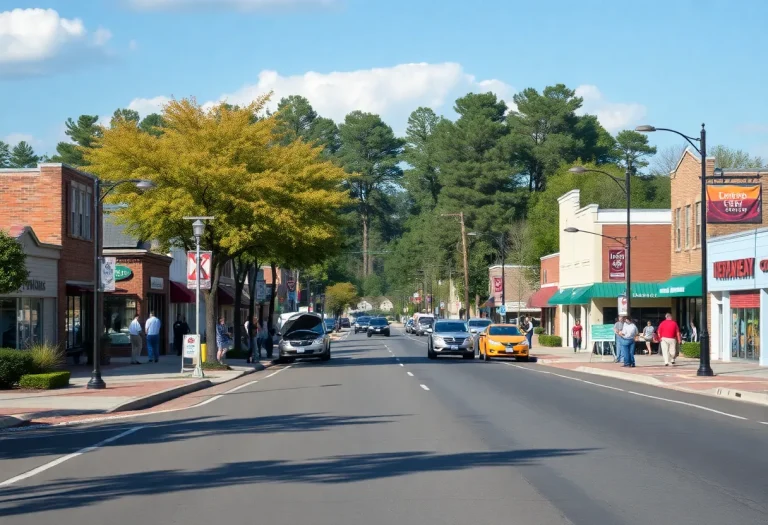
<point x="688" y="405"/>
<point x="401" y="364"/>
<point x="410" y="373"/>
<point x="59" y="461"/>
<point x="425" y="387"/>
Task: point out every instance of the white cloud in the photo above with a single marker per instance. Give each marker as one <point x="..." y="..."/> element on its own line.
<point x="614" y="116"/>
<point x="33" y="41"/>
<point x="236" y="5"/>
<point x="14" y="138"/>
<point x="145" y="106"/>
<point x="133" y="45"/>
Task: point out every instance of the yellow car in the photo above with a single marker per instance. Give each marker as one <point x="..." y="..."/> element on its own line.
<point x="502" y="340"/>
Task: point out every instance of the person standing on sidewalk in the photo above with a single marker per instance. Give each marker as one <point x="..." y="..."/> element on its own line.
<point x="253" y="336"/>
<point x="528" y="328"/>
<point x="135" y="333"/>
<point x="648" y="332"/>
<point x="152" y="328"/>
<point x="223" y="338"/>
<point x="617" y="327"/>
<point x="576" y="333"/>
<point x="180" y="329"/>
<point x="669" y="334"/>
<point x="627" y="335"/>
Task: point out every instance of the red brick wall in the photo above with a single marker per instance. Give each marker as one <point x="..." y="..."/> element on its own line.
<point x="650" y="258"/>
<point x="550" y="270"/>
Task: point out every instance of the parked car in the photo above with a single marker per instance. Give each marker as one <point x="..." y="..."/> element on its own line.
<point x="477" y="325"/>
<point x="304" y="335"/>
<point x="345" y="322"/>
<point x="409" y="326"/>
<point x="502" y="340"/>
<point x="361" y="324"/>
<point x="330" y="325"/>
<point x="450" y="338"/>
<point x="378" y="326"/>
<point x="423" y="326"/>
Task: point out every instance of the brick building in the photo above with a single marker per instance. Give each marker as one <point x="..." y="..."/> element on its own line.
<point x="519" y="286"/>
<point x="56" y="201"/>
<point x="549" y="279"/>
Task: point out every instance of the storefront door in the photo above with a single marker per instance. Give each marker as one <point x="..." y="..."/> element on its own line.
<point x="745" y="333"/>
<point x="157" y="305"/>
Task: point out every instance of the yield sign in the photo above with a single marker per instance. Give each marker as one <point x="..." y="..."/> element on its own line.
<point x="205" y="270"/>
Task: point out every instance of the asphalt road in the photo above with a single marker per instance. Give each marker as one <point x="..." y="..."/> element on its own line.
<point x="381" y="435"/>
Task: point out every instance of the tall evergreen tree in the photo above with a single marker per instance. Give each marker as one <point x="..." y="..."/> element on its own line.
<point x="5" y="155"/>
<point x="152" y="124"/>
<point x="83" y="134"/>
<point x="632" y="150"/>
<point x="297" y="119"/>
<point x="127" y="115"/>
<point x="422" y="179"/>
<point x="23" y="156"/>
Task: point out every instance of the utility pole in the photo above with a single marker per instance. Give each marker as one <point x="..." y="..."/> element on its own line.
<point x="460" y="215"/>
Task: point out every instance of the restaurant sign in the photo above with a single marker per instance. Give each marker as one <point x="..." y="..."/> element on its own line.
<point x="734" y="203"/>
<point x="735" y="269"/>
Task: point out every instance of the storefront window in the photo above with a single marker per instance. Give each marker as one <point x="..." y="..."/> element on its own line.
<point x="74" y="319"/>
<point x="745" y="333"/>
<point x="8" y="323"/>
<point x="118" y="314"/>
<point x="21" y="322"/>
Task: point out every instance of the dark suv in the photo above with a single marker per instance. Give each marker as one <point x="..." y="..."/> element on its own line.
<point x="378" y="326"/>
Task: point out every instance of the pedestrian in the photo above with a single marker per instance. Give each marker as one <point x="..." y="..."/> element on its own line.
<point x="627" y="336"/>
<point x="576" y="333"/>
<point x="253" y="337"/>
<point x="669" y="333"/>
<point x="223" y="337"/>
<point x="135" y="335"/>
<point x="694" y="333"/>
<point x="617" y="326"/>
<point x="152" y="328"/>
<point x="180" y="329"/>
<point x="269" y="342"/>
<point x="648" y="332"/>
<point x="528" y="327"/>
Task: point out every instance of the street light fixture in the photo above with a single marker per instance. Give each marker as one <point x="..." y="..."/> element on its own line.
<point x="628" y="239"/>
<point x="96" y="382"/>
<point x="198" y="228"/>
<point x="502" y="246"/>
<point x="705" y="368"/>
<point x="620" y="240"/>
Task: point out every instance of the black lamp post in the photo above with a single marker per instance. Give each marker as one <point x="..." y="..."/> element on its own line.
<point x="628" y="240"/>
<point x="705" y="368"/>
<point x="96" y="382"/>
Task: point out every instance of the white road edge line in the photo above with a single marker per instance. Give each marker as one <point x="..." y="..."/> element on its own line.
<point x="604" y="386"/>
<point x="242" y="386"/>
<point x="425" y="387"/>
<point x="410" y="373"/>
<point x="763" y="422"/>
<point x="527" y="368"/>
<point x="59" y="461"/>
<point x="203" y="403"/>
<point x="688" y="405"/>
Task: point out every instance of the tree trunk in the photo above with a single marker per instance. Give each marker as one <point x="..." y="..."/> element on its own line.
<point x="273" y="266"/>
<point x="212" y="310"/>
<point x="240" y="272"/>
<point x="253" y="272"/>
<point x="365" y="244"/>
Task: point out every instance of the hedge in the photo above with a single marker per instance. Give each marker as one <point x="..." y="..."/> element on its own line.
<point x="13" y="365"/>
<point x="47" y="381"/>
<point x="214" y="365"/>
<point x="538" y="330"/>
<point x="692" y="350"/>
<point x="550" y="340"/>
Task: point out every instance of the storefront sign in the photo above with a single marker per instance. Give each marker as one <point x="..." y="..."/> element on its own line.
<point x="739" y="203"/>
<point x="156" y="283"/>
<point x="205" y="270"/>
<point x="122" y="273"/>
<point x="108" y="273"/>
<point x="735" y="269"/>
<point x="497" y="285"/>
<point x="191" y="346"/>
<point x="33" y="285"/>
<point x="602" y="332"/>
<point x="617" y="264"/>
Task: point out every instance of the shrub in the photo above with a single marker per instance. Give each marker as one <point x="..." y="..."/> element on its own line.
<point x="47" y="358"/>
<point x="213" y="365"/>
<point x="538" y="330"/>
<point x="13" y="365"/>
<point x="551" y="340"/>
<point x="47" y="381"/>
<point x="692" y="350"/>
<point x="237" y="354"/>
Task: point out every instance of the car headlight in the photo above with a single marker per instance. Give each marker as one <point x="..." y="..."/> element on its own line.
<point x="495" y="342"/>
<point x="319" y="340"/>
<point x="524" y="342"/>
<point x="439" y="340"/>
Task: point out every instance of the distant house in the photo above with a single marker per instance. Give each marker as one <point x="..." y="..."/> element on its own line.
<point x="380" y="303"/>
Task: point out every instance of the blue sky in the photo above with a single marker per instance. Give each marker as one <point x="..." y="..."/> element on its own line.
<point x="674" y="63"/>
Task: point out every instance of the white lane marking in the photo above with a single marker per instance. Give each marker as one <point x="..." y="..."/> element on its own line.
<point x="568" y="377"/>
<point x="526" y="368"/>
<point x="763" y="422"/>
<point x="59" y="461"/>
<point x="688" y="405"/>
<point x="604" y="386"/>
<point x="425" y="387"/>
<point x="202" y="403"/>
<point x="242" y="386"/>
<point x="401" y="364"/>
<point x="410" y="373"/>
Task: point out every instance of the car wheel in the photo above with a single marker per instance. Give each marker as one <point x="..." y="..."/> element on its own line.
<point x="369" y="334"/>
<point x="431" y="354"/>
<point x="327" y="355"/>
<point x="524" y="359"/>
<point x="387" y="334"/>
<point x="486" y="357"/>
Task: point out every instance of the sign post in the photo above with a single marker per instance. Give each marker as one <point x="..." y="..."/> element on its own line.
<point x="191" y="350"/>
<point x="603" y="337"/>
<point x="201" y="267"/>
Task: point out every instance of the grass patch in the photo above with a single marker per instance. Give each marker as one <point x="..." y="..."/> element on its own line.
<point x="46" y="381"/>
<point x="47" y="358"/>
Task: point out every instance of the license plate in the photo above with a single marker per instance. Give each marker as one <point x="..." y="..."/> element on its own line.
<point x="510" y="350"/>
<point x="454" y="347"/>
<point x="300" y="350"/>
<point x="378" y="330"/>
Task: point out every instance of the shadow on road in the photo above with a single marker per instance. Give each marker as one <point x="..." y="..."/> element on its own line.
<point x="73" y="493"/>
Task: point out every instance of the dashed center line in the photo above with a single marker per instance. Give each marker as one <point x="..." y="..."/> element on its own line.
<point x="410" y="373"/>
<point x="401" y="364"/>
<point x="425" y="387"/>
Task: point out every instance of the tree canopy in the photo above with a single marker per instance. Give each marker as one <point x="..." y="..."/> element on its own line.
<point x="13" y="263"/>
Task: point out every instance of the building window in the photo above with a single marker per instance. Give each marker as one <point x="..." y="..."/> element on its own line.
<point x="119" y="311"/>
<point x="74" y="319"/>
<point x="697" y="230"/>
<point x="745" y="333"/>
<point x="80" y="203"/>
<point x="21" y="322"/>
<point x="226" y="270"/>
<point x="544" y="277"/>
<point x="677" y="229"/>
<point x="687" y="227"/>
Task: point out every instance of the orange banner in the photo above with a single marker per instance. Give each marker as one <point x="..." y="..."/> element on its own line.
<point x="728" y="203"/>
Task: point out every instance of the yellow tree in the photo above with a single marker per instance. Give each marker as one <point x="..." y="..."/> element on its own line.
<point x="339" y="296"/>
<point x="222" y="162"/>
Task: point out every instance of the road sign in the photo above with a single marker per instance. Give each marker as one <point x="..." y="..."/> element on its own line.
<point x="503" y="309"/>
<point x="205" y="270"/>
<point x="602" y="332"/>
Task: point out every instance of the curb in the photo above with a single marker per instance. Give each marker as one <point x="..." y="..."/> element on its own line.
<point x="619" y="375"/>
<point x="18" y="420"/>
<point x="740" y="395"/>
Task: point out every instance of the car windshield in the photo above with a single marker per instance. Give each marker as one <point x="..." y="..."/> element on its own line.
<point x="450" y="327"/>
<point x="426" y="321"/>
<point x="363" y="319"/>
<point x="378" y="322"/>
<point x="503" y="330"/>
<point x="480" y="323"/>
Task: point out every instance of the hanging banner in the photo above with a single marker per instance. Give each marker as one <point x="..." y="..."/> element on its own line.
<point x="734" y="203"/>
<point x="497" y="285"/>
<point x="617" y="264"/>
<point x="108" y="274"/>
<point x="205" y="270"/>
<point x="261" y="290"/>
<point x="622" y="304"/>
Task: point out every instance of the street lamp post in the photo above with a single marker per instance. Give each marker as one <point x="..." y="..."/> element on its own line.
<point x="502" y="240"/>
<point x="705" y="367"/>
<point x="628" y="240"/>
<point x="198" y="228"/>
<point x="96" y="382"/>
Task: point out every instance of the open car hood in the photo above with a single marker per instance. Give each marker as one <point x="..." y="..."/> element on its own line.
<point x="301" y="321"/>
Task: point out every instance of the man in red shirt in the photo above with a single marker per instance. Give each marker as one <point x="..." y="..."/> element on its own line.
<point x="576" y="333"/>
<point x="669" y="334"/>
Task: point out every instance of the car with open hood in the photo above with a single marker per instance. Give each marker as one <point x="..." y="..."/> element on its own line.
<point x="450" y="337"/>
<point x="304" y="335"/>
<point x="502" y="340"/>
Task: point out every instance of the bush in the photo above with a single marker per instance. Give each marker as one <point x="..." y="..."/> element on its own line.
<point x="237" y="354"/>
<point x="45" y="381"/>
<point x="551" y="340"/>
<point x="213" y="365"/>
<point x="13" y="365"/>
<point x="538" y="330"/>
<point x="47" y="358"/>
<point x="692" y="350"/>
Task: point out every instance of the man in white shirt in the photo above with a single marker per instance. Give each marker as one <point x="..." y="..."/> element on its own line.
<point x="627" y="335"/>
<point x="152" y="328"/>
<point x="135" y="330"/>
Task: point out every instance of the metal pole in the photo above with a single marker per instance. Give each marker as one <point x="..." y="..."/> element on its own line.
<point x="198" y="372"/>
<point x="466" y="266"/>
<point x="628" y="252"/>
<point x="96" y="382"/>
<point x="705" y="369"/>
<point x="503" y="276"/>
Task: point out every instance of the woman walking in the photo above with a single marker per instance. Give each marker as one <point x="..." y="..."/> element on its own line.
<point x="223" y="337"/>
<point x="253" y="336"/>
<point x="648" y="332"/>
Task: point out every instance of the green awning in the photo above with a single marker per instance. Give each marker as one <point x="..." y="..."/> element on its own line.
<point x="577" y="295"/>
<point x="681" y="286"/>
<point x="613" y="290"/>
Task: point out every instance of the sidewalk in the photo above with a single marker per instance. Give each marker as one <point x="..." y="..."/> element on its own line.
<point x="736" y="380"/>
<point x="129" y="387"/>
